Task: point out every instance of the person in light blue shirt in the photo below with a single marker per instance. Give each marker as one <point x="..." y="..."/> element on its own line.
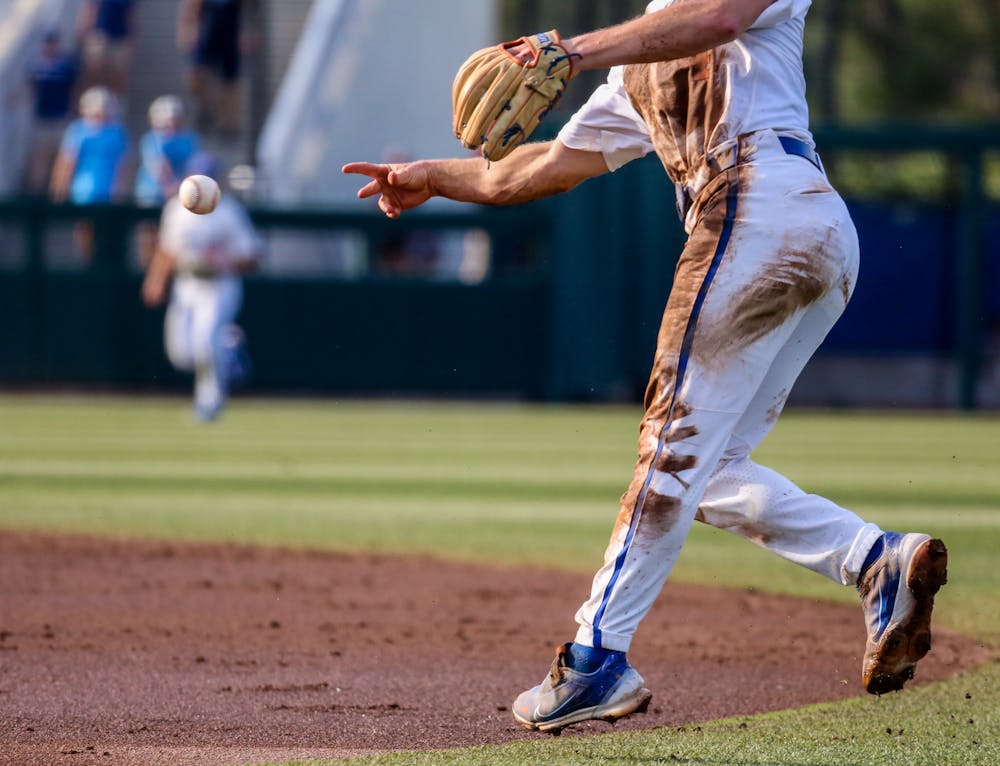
<point x="91" y="163"/>
<point x="164" y="151"/>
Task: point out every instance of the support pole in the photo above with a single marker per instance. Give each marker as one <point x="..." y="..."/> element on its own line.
<point x="968" y="293"/>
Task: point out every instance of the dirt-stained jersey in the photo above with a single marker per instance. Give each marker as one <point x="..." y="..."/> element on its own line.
<point x="690" y="108"/>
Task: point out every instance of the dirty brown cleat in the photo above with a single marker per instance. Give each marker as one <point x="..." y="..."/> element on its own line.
<point x="897" y="595"/>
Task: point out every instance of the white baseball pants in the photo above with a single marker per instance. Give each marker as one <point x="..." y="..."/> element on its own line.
<point x="769" y="266"/>
<point x="199" y="308"/>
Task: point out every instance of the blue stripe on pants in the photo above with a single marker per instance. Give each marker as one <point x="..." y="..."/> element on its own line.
<point x="732" y="198"/>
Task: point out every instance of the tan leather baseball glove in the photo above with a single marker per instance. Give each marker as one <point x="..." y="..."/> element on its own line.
<point x="499" y="100"/>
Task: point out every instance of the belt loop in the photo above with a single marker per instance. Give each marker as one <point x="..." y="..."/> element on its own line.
<point x="725" y="159"/>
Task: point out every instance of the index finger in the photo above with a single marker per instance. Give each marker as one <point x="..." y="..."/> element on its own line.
<point x="366" y="169"/>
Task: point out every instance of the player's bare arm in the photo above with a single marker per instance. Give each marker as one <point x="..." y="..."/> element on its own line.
<point x="157" y="279"/>
<point x="533" y="171"/>
<point x="62" y="174"/>
<point x="682" y="29"/>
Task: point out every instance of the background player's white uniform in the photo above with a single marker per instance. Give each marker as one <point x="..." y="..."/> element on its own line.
<point x="770" y="263"/>
<point x="210" y="252"/>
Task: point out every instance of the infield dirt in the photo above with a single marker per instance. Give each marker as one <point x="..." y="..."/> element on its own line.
<point x="134" y="653"/>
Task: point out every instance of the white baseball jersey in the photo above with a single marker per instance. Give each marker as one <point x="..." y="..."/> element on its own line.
<point x="207" y="245"/>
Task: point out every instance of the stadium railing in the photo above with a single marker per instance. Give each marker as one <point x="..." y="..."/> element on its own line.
<point x="566" y="309"/>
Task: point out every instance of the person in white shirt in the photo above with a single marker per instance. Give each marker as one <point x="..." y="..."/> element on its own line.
<point x="716" y="89"/>
<point x="205" y="256"/>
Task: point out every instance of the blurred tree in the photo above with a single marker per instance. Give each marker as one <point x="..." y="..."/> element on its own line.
<point x="866" y="59"/>
<point x="824" y="44"/>
<point x="905" y="59"/>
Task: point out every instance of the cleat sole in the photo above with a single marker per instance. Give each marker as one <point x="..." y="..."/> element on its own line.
<point x="893" y="660"/>
<point x="611" y="713"/>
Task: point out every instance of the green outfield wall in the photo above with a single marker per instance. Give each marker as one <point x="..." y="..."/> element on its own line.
<point x="568" y="308"/>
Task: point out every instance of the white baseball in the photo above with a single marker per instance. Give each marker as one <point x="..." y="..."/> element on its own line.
<point x="199" y="194"/>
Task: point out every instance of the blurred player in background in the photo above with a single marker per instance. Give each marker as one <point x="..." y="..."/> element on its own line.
<point x="164" y="152"/>
<point x="92" y="163"/>
<point x="205" y="256"/>
<point x="715" y="88"/>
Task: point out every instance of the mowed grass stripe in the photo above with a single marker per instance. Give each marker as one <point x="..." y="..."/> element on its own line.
<point x="315" y="420"/>
<point x="512" y="487"/>
<point x="566" y="534"/>
<point x="387" y="487"/>
<point x="194" y="447"/>
<point x="390" y="458"/>
<point x="242" y="442"/>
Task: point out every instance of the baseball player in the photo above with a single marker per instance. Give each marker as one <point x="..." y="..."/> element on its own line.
<point x="715" y="88"/>
<point x="206" y="256"/>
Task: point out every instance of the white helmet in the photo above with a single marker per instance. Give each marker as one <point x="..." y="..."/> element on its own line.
<point x="166" y="111"/>
<point x="97" y="101"/>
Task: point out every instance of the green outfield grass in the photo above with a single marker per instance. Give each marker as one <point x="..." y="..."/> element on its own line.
<point x="538" y="486"/>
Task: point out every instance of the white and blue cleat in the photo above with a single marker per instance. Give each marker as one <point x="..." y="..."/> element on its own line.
<point x="238" y="364"/>
<point x="897" y="588"/>
<point x="568" y="696"/>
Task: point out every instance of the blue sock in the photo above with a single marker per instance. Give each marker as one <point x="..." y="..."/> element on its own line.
<point x="587" y="659"/>
<point x="873" y="554"/>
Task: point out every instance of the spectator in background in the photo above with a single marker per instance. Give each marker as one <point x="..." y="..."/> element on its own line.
<point x="205" y="256"/>
<point x="215" y="36"/>
<point x="90" y="166"/>
<point x="51" y="77"/>
<point x="107" y="31"/>
<point x="164" y="151"/>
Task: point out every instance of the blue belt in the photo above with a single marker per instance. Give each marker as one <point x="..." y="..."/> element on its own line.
<point x="741" y="151"/>
<point x="800" y="149"/>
